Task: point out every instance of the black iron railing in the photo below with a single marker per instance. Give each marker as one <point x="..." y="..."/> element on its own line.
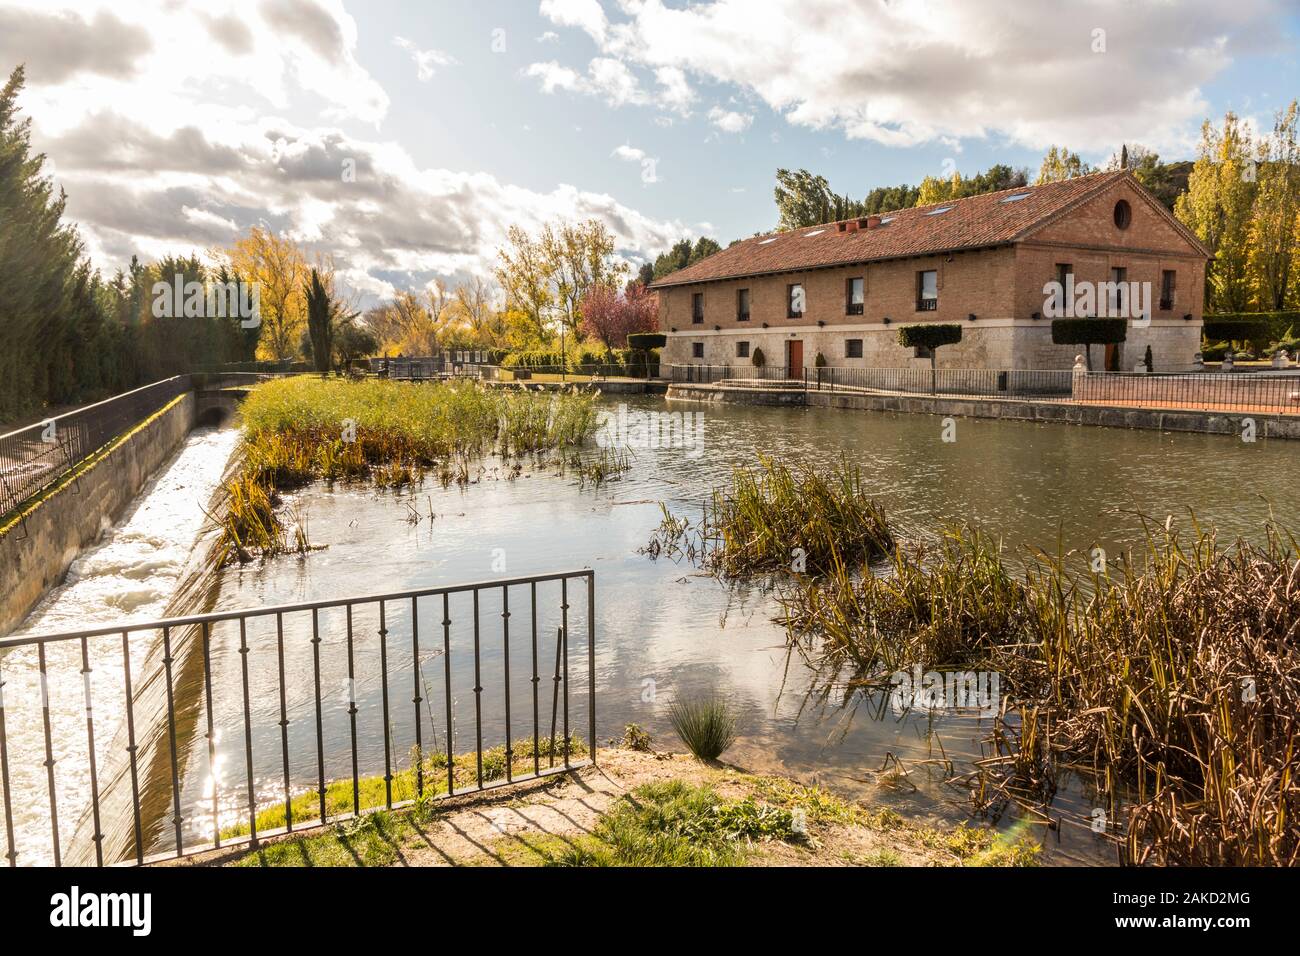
<point x="1027" y="383"/>
<point x="1263" y="392"/>
<point x="1247" y="392"/>
<point x="35" y="457"/>
<point x="1006" y="382"/>
<point x="185" y="685"/>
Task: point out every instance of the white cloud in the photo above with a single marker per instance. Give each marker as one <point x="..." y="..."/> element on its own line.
<point x="426" y="61"/>
<point x="253" y="55"/>
<point x="675" y="91"/>
<point x="169" y="151"/>
<point x="920" y="71"/>
<point x="585" y="14"/>
<point x="555" y="77"/>
<point x="629" y="154"/>
<point x="606" y="77"/>
<point x="649" y="165"/>
<point x="729" y="121"/>
<point x="550" y="36"/>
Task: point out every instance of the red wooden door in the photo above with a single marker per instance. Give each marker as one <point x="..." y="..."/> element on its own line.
<point x="794" y="365"/>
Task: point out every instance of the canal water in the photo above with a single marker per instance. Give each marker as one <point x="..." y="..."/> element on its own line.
<point x="130" y="574"/>
<point x="664" y="631"/>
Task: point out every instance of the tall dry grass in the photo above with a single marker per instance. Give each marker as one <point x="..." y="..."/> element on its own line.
<point x="775" y="518"/>
<point x="1172" y="679"/>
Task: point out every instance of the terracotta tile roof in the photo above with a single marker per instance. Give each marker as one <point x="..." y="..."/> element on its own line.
<point x="974" y="222"/>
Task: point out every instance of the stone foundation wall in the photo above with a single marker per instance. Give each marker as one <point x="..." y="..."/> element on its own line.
<point x="1210" y="423"/>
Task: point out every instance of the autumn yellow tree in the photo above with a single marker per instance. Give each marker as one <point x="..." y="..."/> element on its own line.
<point x="1217" y="207"/>
<point x="933" y="189"/>
<point x="1060" y="163"/>
<point x="474" y="309"/>
<point x="545" y="278"/>
<point x="524" y="273"/>
<point x="581" y="259"/>
<point x="279" y="268"/>
<point x="1273" y="220"/>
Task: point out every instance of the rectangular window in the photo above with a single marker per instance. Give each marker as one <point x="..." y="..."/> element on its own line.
<point x="853" y="348"/>
<point x="742" y="305"/>
<point x="853" y="298"/>
<point x="697" y="307"/>
<point x="697" y="350"/>
<point x="927" y="291"/>
<point x="742" y="350"/>
<point x="1063" y="271"/>
<point x="795" y="301"/>
<point x="1118" y="291"/>
<point x="1167" y="280"/>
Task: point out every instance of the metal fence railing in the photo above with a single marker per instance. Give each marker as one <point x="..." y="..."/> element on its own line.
<point x="35" y="457"/>
<point x="447" y="366"/>
<point x="1260" y="392"/>
<point x="150" y="740"/>
<point x="1006" y="382"/>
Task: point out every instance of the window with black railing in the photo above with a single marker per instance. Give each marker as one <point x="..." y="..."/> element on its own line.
<point x="853" y="296"/>
<point x="1167" y="280"/>
<point x="697" y="308"/>
<point x="927" y="290"/>
<point x="742" y="305"/>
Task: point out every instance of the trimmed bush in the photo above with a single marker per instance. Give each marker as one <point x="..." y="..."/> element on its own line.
<point x="820" y="361"/>
<point x="930" y="336"/>
<point x="647" y="340"/>
<point x="1089" y="332"/>
<point x="1253" y="329"/>
<point x="758" y="359"/>
<point x="533" y="358"/>
<point x="1279" y="323"/>
<point x="641" y="356"/>
<point x="1214" y="351"/>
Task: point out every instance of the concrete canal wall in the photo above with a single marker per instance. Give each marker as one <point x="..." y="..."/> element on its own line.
<point x="38" y="545"/>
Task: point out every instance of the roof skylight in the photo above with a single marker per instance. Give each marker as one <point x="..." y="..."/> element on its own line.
<point x="815" y="232"/>
<point x="763" y="242"/>
<point x="1014" y="198"/>
<point x="936" y="212"/>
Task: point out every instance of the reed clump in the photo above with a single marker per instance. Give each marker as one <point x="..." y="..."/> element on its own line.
<point x="777" y="519"/>
<point x="302" y="429"/>
<point x="706" y="725"/>
<point x="1174" y="678"/>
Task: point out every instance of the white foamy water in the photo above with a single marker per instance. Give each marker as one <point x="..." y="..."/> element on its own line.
<point x="130" y="575"/>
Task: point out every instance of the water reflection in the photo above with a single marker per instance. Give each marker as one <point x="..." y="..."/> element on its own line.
<point x="663" y="630"/>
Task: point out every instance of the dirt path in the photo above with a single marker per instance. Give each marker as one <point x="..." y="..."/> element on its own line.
<point x="521" y="825"/>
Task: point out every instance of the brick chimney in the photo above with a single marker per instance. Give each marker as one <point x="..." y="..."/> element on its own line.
<point x="871" y="222"/>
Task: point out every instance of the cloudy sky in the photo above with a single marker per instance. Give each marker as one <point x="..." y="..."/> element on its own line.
<point x="405" y="136"/>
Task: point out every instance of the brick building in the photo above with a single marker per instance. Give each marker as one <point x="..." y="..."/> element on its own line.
<point x="844" y="289"/>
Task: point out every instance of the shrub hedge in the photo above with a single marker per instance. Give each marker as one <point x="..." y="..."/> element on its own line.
<point x="1089" y="331"/>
